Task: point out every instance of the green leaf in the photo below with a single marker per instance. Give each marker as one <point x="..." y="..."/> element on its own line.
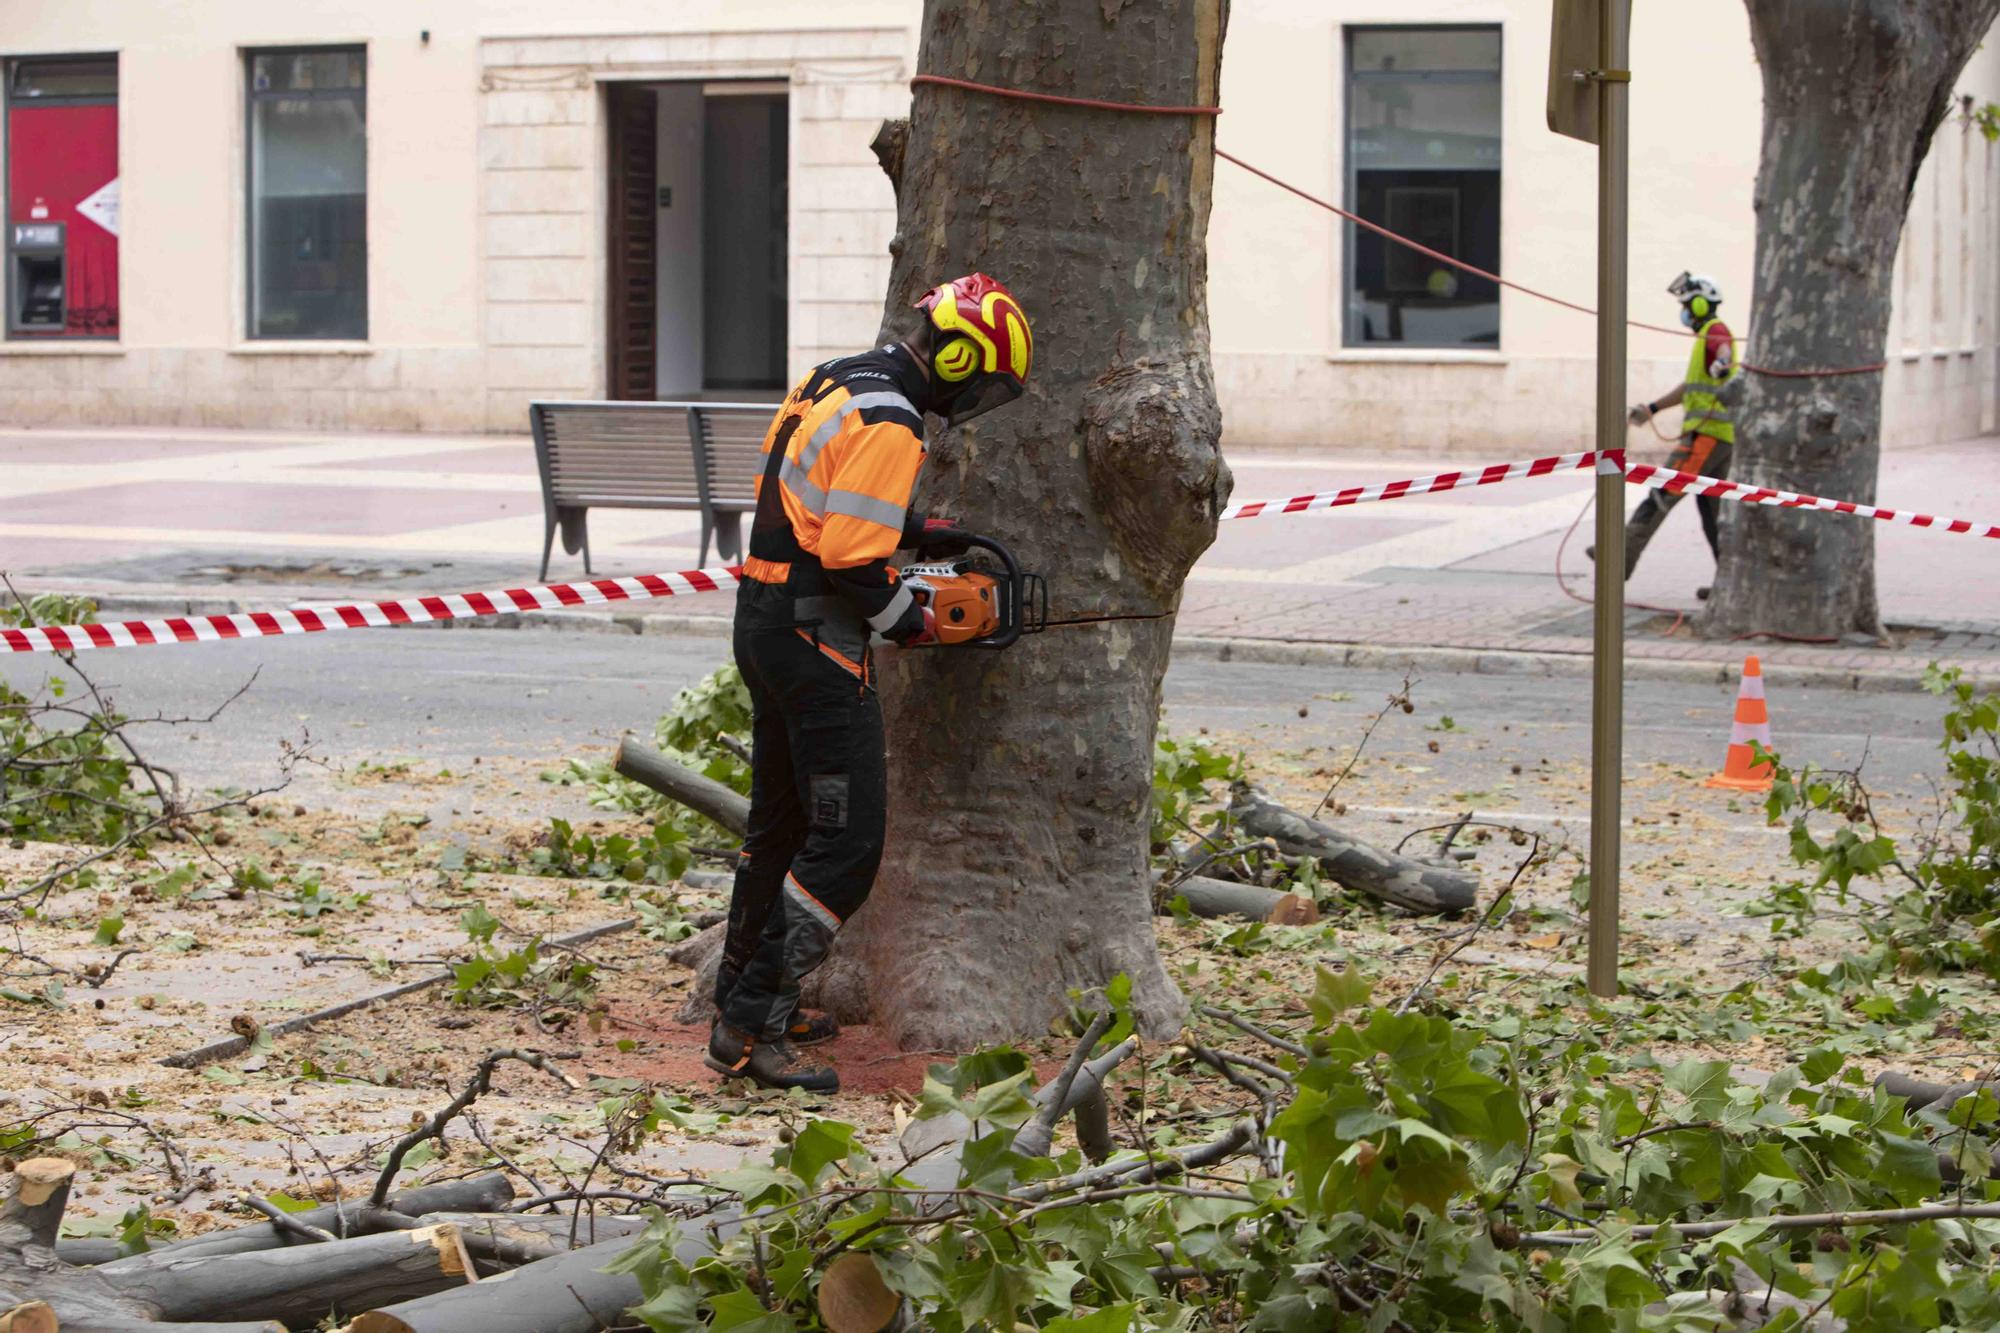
<point x="1110" y="1319"/>
<point x="818" y="1145"/>
<point x="1001" y="1103"/>
<point x="479" y="923"/>
<point x="757" y="1181"/>
<point x="672" y="1309"/>
<point x="1705" y="1085"/>
<point x="1821" y="1063"/>
<point x="286" y="1203"/>
<point x="743" y="1311"/>
<point x="108" y="929"/>
<point x="1907" y="1168"/>
<point x="1334" y="993"/>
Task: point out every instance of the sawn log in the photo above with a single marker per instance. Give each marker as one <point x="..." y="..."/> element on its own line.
<point x="699" y="793"/>
<point x="301" y="1284"/>
<point x="1219" y="897"/>
<point x="562" y="1295"/>
<point x="479" y="1194"/>
<point x="1414" y="886"/>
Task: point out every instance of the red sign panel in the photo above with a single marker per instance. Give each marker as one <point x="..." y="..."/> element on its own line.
<point x="62" y="167"/>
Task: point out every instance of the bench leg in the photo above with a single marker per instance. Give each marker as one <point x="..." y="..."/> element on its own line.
<point x="548" y="545"/>
<point x="576" y="533"/>
<point x="729" y="537"/>
<point x="707" y="531"/>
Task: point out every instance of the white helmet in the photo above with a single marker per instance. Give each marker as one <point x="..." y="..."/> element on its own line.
<point x="1689" y="288"/>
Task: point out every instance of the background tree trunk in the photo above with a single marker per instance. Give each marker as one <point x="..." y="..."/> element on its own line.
<point x="1853" y="92"/>
<point x="1021" y="781"/>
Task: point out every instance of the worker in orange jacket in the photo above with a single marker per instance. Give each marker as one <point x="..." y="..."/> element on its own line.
<point x="833" y="504"/>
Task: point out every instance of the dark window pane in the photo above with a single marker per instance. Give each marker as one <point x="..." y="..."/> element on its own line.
<point x="81" y="76"/>
<point x="306" y="71"/>
<point x="1426" y="49"/>
<point x="1423" y="157"/>
<point x="308" y="198"/>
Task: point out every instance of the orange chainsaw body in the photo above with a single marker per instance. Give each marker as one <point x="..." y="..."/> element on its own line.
<point x="977" y="607"/>
<point x="966" y="601"/>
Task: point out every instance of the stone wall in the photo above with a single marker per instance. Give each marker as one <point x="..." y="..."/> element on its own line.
<point x="541" y="161"/>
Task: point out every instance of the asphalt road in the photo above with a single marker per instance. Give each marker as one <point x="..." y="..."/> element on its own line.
<point x="445" y="696"/>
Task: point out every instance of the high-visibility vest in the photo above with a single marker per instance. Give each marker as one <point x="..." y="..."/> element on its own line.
<point x="1702" y="409"/>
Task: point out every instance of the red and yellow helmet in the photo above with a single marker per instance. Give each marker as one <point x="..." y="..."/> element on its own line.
<point x="979" y="346"/>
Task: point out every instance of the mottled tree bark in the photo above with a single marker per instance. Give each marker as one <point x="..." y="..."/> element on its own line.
<point x="1853" y="92"/>
<point x="1021" y="780"/>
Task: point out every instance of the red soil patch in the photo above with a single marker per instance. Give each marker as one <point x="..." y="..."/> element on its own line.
<point x="669" y="1053"/>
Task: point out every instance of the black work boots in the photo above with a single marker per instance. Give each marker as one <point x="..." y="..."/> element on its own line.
<point x="769" y="1064"/>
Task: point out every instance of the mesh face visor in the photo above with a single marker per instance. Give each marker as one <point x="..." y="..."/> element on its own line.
<point x="980" y="395"/>
<point x="1681" y="288"/>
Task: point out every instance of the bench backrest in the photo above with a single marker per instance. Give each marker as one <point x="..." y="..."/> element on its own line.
<point x="667" y="455"/>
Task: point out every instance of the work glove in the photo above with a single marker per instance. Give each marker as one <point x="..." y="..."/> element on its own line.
<point x="1640" y="414"/>
<point x="934" y="536"/>
<point x="926" y="635"/>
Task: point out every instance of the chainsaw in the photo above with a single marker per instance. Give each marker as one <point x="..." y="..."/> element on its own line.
<point x="976" y="607"/>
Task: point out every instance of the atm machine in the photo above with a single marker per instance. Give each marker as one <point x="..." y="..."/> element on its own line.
<point x="35" y="264"/>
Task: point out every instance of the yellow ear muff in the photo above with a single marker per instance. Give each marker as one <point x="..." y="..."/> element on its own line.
<point x="1700" y="307"/>
<point x="956" y="360"/>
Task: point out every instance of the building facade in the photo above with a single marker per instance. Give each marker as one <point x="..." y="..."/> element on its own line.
<point x="355" y="215"/>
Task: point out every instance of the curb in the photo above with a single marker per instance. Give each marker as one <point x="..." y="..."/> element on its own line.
<point x="1554" y="663"/>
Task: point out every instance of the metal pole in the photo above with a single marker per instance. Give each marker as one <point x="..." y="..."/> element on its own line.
<point x="1607" y="694"/>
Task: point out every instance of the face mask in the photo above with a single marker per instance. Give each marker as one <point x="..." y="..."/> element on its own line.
<point x="1687" y="317"/>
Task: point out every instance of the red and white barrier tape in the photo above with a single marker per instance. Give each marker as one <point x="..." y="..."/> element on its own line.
<point x="1443" y="481"/>
<point x="598" y="592"/>
<point x="363" y="615"/>
<point x="1693" y="483"/>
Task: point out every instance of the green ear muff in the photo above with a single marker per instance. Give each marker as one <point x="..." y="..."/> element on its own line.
<point x="1700" y="307"/>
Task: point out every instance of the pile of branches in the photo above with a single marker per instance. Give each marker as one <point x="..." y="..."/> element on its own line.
<point x="1382" y="1170"/>
<point x="1379" y="1169"/>
<point x="392" y="1260"/>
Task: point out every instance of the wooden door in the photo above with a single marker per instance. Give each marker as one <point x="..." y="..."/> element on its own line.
<point x="633" y="247"/>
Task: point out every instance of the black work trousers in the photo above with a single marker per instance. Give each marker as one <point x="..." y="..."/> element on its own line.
<point x="818" y="798"/>
<point x="1702" y="454"/>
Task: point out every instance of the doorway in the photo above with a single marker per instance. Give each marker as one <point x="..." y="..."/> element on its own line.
<point x="698" y="243"/>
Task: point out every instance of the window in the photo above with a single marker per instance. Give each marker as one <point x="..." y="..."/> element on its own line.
<point x="1423" y="159"/>
<point x="308" y="184"/>
<point x="61" y="259"/>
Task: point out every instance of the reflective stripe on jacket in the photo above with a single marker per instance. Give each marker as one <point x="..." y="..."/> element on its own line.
<point x="1711" y="365"/>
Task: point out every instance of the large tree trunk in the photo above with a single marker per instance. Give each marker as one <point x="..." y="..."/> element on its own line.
<point x="1021" y="780"/>
<point x="1853" y="92"/>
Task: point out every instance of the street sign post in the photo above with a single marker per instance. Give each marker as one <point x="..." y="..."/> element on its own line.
<point x="1589" y="99"/>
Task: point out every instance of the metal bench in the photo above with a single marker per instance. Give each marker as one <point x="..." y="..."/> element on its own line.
<point x="700" y="457"/>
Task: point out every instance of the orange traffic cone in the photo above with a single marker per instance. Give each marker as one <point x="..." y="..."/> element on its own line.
<point x="1740" y="772"/>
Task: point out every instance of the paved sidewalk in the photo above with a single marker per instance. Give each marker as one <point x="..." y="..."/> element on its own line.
<point x="253" y="520"/>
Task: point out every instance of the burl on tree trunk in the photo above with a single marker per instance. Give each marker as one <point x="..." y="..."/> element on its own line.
<point x="1853" y="92"/>
<point x="1021" y="780"/>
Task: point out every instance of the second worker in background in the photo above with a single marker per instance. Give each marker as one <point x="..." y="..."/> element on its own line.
<point x="1708" y="435"/>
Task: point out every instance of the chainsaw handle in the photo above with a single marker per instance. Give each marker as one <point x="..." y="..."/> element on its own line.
<point x="1016" y="585"/>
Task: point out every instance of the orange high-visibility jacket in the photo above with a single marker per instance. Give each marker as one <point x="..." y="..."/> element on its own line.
<point x="851" y="436"/>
